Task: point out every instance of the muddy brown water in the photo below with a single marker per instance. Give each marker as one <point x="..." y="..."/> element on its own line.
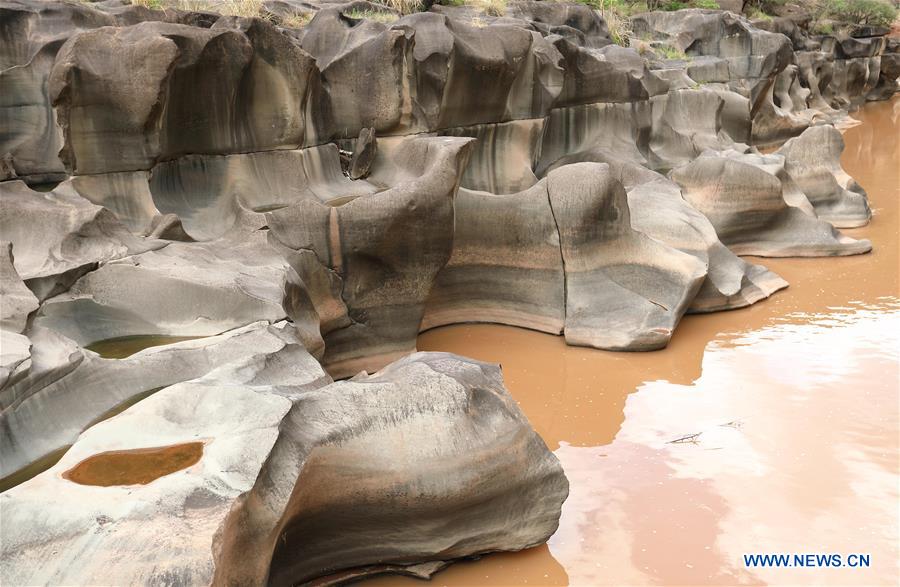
<point x="136" y="466"/>
<point x="125" y="346"/>
<point x="795" y="401"/>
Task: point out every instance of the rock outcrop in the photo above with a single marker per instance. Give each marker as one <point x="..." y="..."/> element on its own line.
<point x="285" y="479"/>
<point x="376" y="256"/>
<point x="746" y="206"/>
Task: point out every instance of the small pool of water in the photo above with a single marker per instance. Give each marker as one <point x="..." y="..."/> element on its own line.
<point x="125" y="346"/>
<point x="134" y="467"/>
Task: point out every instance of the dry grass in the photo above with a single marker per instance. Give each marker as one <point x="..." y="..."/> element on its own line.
<point x="491" y="7"/>
<point x="246" y="8"/>
<point x="403" y="6"/>
<point x="296" y="21"/>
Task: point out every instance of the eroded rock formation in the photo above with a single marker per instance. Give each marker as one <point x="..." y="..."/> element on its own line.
<point x="302" y="202"/>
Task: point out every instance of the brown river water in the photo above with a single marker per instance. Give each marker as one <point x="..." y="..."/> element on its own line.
<point x="785" y="417"/>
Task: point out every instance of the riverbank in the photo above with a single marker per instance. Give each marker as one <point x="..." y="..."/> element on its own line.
<point x="795" y="400"/>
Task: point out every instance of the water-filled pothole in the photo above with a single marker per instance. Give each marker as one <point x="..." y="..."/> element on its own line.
<point x="134" y="467"/>
<point x="125" y="346"/>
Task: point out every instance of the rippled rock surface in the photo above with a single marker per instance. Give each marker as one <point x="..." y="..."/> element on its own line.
<point x="207" y="219"/>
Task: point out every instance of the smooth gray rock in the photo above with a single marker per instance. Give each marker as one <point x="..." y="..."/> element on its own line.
<point x="369" y="263"/>
<point x="67" y="388"/>
<point x="813" y="161"/>
<point x="747" y="208"/>
<point x="167" y="529"/>
<point x="658" y="210"/>
<point x="210" y="193"/>
<point x="506" y="266"/>
<point x="184" y="289"/>
<point x="470" y="478"/>
<point x="624" y="290"/>
<point x="58" y="236"/>
<point x="363" y="154"/>
<point x="278" y="452"/>
<point x="126" y="114"/>
<point x="18" y="301"/>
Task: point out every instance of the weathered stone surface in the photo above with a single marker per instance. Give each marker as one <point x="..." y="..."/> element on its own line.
<point x="813" y="160"/>
<point x="59" y="235"/>
<point x="167" y="528"/>
<point x="184" y="289"/>
<point x="18" y="301"/>
<point x="506" y="265"/>
<point x="749" y="52"/>
<point x="210" y="193"/>
<point x="503" y="157"/>
<point x="624" y="290"/>
<point x="188" y="127"/>
<point x="574" y="21"/>
<point x="747" y="208"/>
<point x="471" y="466"/>
<point x="658" y="210"/>
<point x="376" y="256"/>
<point x="125" y="114"/>
<point x="363" y="154"/>
<point x="259" y="506"/>
<point x="67" y="388"/>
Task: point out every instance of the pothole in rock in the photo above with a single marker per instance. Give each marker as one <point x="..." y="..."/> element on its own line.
<point x="269" y="208"/>
<point x="125" y="346"/>
<point x="45" y="462"/>
<point x="134" y="467"/>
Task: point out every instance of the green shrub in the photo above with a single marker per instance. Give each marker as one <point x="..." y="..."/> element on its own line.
<point x="870" y="12"/>
<point x="710" y="4"/>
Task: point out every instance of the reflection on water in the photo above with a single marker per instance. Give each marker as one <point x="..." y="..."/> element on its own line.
<point x="125" y="346"/>
<point x="134" y="467"/>
<point x="792" y="447"/>
<point x="787" y="413"/>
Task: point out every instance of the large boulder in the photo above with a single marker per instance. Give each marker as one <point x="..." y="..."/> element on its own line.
<point x="256" y="473"/>
<point x="746" y="206"/>
<point x="471" y="477"/>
